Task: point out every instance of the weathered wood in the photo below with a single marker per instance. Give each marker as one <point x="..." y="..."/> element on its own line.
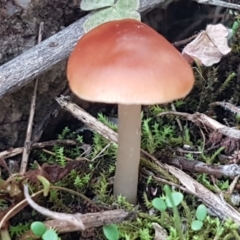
<point x="35" y="61"/>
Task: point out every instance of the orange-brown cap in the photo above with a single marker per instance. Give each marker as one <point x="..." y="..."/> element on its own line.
<point x="127" y="62"/>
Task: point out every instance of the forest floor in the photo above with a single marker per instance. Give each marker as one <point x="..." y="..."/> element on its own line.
<point x="189" y="174"/>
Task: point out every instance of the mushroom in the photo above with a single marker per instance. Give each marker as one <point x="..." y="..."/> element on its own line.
<point x="128" y="63"/>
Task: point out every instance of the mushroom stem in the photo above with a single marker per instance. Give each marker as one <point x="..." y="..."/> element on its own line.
<point x="128" y="156"/>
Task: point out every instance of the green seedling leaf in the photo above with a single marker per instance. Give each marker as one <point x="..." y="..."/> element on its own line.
<point x="108" y="14"/>
<point x="50" y="234"/>
<point x="201" y="212"/>
<point x="100" y="17"/>
<point x="128" y="5"/>
<point x="111" y="232"/>
<point x="129" y="14"/>
<point x="38" y="228"/>
<point x="45" y="183"/>
<point x="196" y="225"/>
<point x="235" y="26"/>
<point x="159" y="204"/>
<point x="174" y="199"/>
<point x="88" y="5"/>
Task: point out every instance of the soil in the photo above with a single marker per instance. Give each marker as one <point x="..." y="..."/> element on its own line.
<point x="19" y="28"/>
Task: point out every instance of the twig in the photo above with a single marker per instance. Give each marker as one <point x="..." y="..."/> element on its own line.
<point x="203" y="120"/>
<point x="88" y="119"/>
<point x="227" y="106"/>
<point x="78" y="221"/>
<point x="53" y="154"/>
<point x="184" y="41"/>
<point x="219" y="3"/>
<point x="233" y="185"/>
<point x="177" y="120"/>
<point x="26" y="149"/>
<point x="46" y="118"/>
<point x="215" y="202"/>
<point x="9" y="213"/>
<point x="221" y="208"/>
<point x="37" y="60"/>
<point x="74" y="219"/>
<point x="90" y="220"/>
<point x="15" y="151"/>
<point x="229" y="170"/>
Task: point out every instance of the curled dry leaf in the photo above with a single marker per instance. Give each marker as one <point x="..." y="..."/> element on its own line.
<point x="209" y="46"/>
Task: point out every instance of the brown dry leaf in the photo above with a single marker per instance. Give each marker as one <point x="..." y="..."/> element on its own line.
<point x="52" y="173"/>
<point x="57" y="172"/>
<point x="209" y="46"/>
<point x="10" y="187"/>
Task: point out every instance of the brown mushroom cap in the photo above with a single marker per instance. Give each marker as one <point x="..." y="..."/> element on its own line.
<point x="127" y="62"/>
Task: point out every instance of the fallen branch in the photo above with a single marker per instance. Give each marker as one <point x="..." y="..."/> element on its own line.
<point x="78" y="221"/>
<point x="15" y="151"/>
<point x="228" y="170"/>
<point x="37" y="60"/>
<point x="204" y="121"/>
<point x="90" y="220"/>
<point x="213" y="201"/>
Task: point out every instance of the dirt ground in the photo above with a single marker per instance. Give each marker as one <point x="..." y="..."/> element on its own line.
<point x="19" y="32"/>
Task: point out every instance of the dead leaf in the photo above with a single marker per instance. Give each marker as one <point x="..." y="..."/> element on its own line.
<point x="10" y="187"/>
<point x="53" y="172"/>
<point x="209" y="46"/>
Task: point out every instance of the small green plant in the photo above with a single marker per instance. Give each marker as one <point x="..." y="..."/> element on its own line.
<point x="65" y="133"/>
<point x="154" y="135"/>
<point x="60" y="156"/>
<point x="17" y="231"/>
<point x="111" y="232"/>
<point x="39" y="229"/>
<point x="109" y="10"/>
<point x="172" y="200"/>
<point x="201" y="214"/>
<point x="82" y="181"/>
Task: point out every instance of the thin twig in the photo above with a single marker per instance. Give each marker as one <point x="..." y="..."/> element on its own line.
<point x="74" y="219"/>
<point x="177" y="120"/>
<point x="27" y="143"/>
<point x="46" y="118"/>
<point x="15" y="151"/>
<point x="202" y="120"/>
<point x="184" y="41"/>
<point x="219" y="3"/>
<point x="53" y="154"/>
<point x="79" y="221"/>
